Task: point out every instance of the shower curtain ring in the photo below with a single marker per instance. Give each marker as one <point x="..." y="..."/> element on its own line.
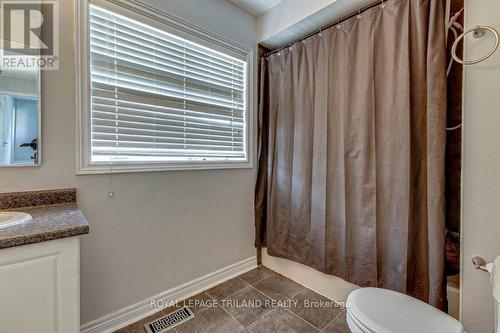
<point x="360" y="16"/>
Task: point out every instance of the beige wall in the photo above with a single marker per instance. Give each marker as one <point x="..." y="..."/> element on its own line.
<point x="161" y="229"/>
<point x="481" y="169"/>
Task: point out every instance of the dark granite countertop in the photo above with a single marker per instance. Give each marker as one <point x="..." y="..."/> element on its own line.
<point x="49" y="222"/>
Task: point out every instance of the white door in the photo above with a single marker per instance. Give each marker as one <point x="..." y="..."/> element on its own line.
<point x="481" y="168"/>
<point x="6" y="129"/>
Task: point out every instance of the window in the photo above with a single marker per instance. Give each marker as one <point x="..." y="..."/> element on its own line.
<point x="156" y="100"/>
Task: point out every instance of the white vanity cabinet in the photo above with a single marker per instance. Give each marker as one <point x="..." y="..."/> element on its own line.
<point x="40" y="287"/>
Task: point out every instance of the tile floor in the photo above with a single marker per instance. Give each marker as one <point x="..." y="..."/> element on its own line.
<point x="259" y="301"/>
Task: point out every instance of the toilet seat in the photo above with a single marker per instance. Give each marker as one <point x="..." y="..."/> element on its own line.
<point x="375" y="310"/>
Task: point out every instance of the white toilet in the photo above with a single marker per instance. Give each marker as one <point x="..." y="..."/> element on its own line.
<point x="375" y="310"/>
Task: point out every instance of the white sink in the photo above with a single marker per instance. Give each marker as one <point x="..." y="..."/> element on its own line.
<point x="10" y="219"/>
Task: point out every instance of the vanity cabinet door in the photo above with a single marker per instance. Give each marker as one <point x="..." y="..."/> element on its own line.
<point x="39" y="288"/>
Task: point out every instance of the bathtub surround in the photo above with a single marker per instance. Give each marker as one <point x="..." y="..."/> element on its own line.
<point x="354" y="165"/>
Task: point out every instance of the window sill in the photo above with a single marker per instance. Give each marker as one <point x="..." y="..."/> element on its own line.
<point x="131" y="168"/>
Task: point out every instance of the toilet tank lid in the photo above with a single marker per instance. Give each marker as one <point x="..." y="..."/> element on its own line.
<point x="386" y="311"/>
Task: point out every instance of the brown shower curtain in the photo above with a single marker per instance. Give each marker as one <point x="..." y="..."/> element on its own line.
<point x="352" y="128"/>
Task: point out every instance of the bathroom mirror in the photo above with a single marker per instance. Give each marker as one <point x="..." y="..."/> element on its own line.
<point x="19" y="117"/>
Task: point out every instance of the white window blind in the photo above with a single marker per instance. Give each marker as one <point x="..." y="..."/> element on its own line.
<point x="156" y="97"/>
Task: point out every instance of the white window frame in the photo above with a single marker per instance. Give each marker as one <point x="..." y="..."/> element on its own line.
<point x="173" y="25"/>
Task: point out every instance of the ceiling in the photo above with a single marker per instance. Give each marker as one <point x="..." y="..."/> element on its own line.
<point x="256" y="7"/>
<point x="328" y="14"/>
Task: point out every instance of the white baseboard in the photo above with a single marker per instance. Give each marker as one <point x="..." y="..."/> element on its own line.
<point x="138" y="311"/>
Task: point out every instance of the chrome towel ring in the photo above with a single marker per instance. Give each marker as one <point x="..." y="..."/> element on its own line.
<point x="479" y="31"/>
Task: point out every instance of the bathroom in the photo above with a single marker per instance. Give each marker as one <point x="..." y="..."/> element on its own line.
<point x="138" y="231"/>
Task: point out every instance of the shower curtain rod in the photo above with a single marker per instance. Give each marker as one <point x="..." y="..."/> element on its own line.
<point x="338" y="21"/>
